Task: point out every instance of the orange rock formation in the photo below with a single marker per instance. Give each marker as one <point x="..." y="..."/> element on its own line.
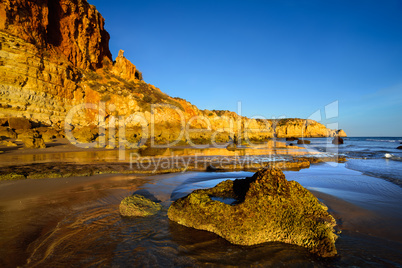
<point x="54" y="55"/>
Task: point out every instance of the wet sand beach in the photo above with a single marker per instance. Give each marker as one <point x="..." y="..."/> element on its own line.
<point x="98" y="164"/>
<point x="62" y="159"/>
<point x="75" y="220"/>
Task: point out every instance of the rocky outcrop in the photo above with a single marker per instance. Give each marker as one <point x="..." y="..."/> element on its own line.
<point x="294" y="128"/>
<point x="19" y="123"/>
<point x="8" y="143"/>
<point x="337" y="140"/>
<point x="125" y="69"/>
<point x="259" y="209"/>
<point x="54" y="56"/>
<point x="48" y="133"/>
<point x="341" y="133"/>
<point x="139" y="206"/>
<point x="85" y="134"/>
<point x="303" y="142"/>
<point x="31" y="139"/>
<point x="6" y="132"/>
<point x="34" y="143"/>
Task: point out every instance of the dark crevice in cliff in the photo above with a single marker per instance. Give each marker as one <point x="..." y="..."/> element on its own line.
<point x="105" y="49"/>
<point x="54" y="36"/>
<point x="138" y="75"/>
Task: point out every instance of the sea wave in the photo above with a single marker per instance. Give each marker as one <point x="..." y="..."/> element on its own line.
<point x="386" y="140"/>
<point x="392" y="157"/>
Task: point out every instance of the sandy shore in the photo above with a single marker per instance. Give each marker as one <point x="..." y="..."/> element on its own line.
<point x="71" y="183"/>
<point x="37" y="208"/>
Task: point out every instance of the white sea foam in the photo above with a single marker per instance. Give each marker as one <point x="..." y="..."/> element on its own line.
<point x="383" y="140"/>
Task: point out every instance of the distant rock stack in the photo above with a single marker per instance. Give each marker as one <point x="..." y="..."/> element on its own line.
<point x="341" y="133"/>
<point x="337" y="140"/>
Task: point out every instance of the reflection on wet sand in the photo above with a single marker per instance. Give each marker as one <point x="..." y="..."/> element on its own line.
<point x="53" y="222"/>
<point x="124" y="156"/>
<point x="66" y="162"/>
<point x="32" y="210"/>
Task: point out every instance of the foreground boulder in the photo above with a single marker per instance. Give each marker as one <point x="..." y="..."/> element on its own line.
<point x="265" y="208"/>
<point x="137" y="205"/>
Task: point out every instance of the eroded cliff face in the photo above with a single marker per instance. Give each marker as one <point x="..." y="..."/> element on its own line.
<point x="32" y="84"/>
<point x="48" y="51"/>
<point x="72" y="28"/>
<point x="54" y="56"/>
<point x="287" y="128"/>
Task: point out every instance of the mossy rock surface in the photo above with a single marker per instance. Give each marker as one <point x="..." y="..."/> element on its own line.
<point x="11" y="177"/>
<point x="137" y="205"/>
<point x="268" y="208"/>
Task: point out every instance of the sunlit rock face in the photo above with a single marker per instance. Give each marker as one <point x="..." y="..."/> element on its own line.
<point x="54" y="55"/>
<point x="341" y="133"/>
<point x="287" y="128"/>
<point x="263" y="208"/>
<point x="72" y="28"/>
<point x="125" y="69"/>
<point x="46" y="47"/>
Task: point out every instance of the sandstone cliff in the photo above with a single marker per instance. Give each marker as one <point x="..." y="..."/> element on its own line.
<point x="54" y="55"/>
<point x="72" y="28"/>
<point x="287" y="128"/>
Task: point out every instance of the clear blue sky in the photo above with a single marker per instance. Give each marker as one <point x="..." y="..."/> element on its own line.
<point x="279" y="58"/>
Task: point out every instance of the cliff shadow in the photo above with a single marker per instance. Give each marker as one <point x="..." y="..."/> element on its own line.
<point x="54" y="36"/>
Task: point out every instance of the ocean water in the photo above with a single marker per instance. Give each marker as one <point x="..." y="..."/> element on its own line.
<point x="374" y="156"/>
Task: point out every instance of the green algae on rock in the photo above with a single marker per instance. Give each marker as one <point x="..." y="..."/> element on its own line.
<point x="268" y="208"/>
<point x="11" y="177"/>
<point x="137" y="205"/>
